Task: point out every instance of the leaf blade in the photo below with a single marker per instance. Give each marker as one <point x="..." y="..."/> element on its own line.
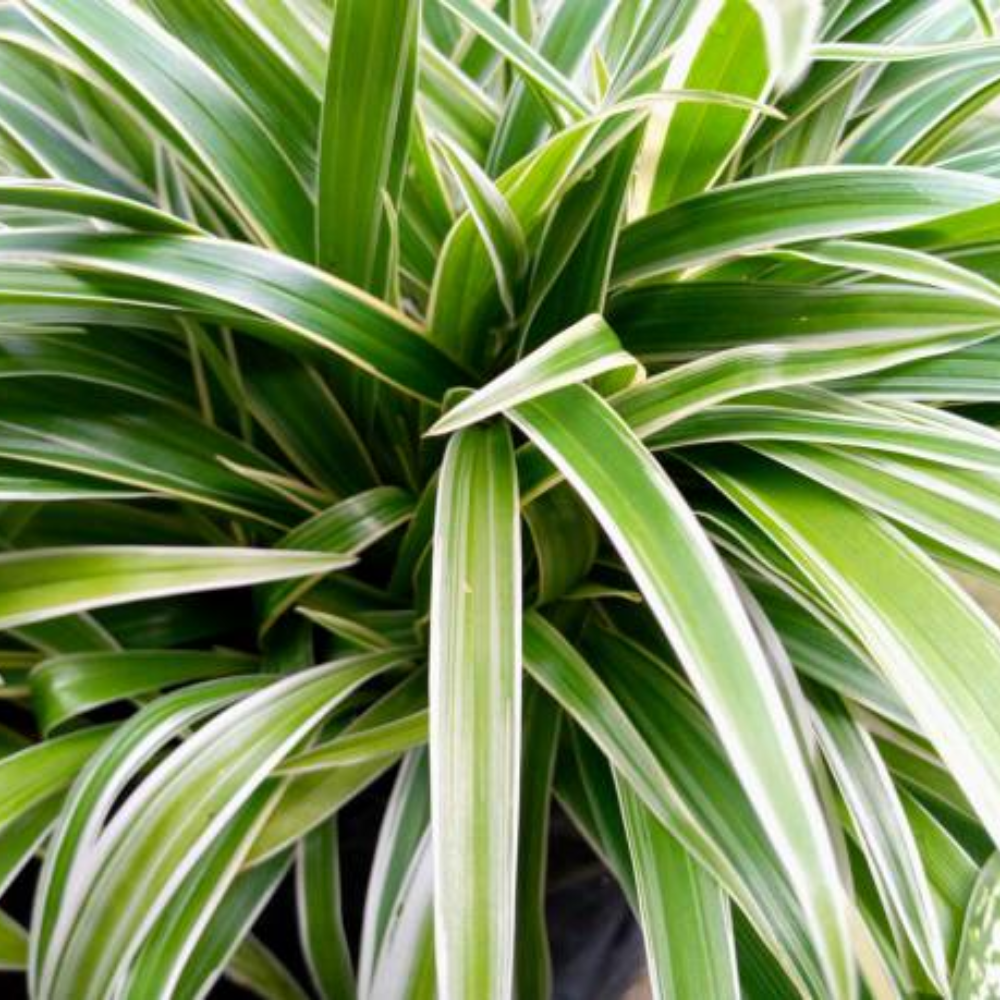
<point x="623" y="491"/>
<point x="474" y="684"/>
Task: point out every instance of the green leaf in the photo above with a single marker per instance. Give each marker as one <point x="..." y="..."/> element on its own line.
<point x="496" y="223"/>
<point x="386" y="740"/>
<point x="311" y="798"/>
<point x="194" y="109"/>
<point x="916" y="120"/>
<point x="44" y="583"/>
<point x="584" y="351"/>
<point x="67" y="686"/>
<point x="138" y="365"/>
<point x="905" y="265"/>
<point x="685" y="914"/>
<point x="933" y="644"/>
<point x="255" y="967"/>
<point x="145" y="447"/>
<point x="271" y="270"/>
<point x="949" y="867"/>
<point x="13" y="944"/>
<point x="32" y="775"/>
<point x="279" y="298"/>
<point x="475" y="713"/>
<point x="396" y="722"/>
<point x="401" y="845"/>
<point x="533" y="964"/>
<point x="229" y="926"/>
<point x="77" y="199"/>
<point x="296" y="406"/>
<point x="685" y="583"/>
<point x="406" y="969"/>
<point x="965" y="375"/>
<point x="561" y="671"/>
<point x="348" y="527"/>
<point x="881" y="826"/>
<point x="573" y="261"/>
<point x="464" y="297"/>
<point x="234" y="42"/>
<point x="957" y="509"/>
<point x="687" y="146"/>
<point x="512" y="47"/>
<point x="564" y="42"/>
<point x="866" y="52"/>
<point x="291" y="29"/>
<point x="722" y="375"/>
<point x="813" y="416"/>
<point x="51" y="145"/>
<point x="566" y="541"/>
<point x="817" y="203"/>
<point x="639" y="726"/>
<point x="820" y="651"/>
<point x="977" y="962"/>
<point x="106" y="777"/>
<point x="180" y="927"/>
<point x="365" y="128"/>
<point x="321" y="927"/>
<point x="585" y="785"/>
<point x="23" y="837"/>
<point x="192" y="794"/>
<point x="454" y="103"/>
<point x="667" y="323"/>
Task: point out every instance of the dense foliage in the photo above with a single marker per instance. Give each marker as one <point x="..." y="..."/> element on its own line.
<point x="581" y="401"/>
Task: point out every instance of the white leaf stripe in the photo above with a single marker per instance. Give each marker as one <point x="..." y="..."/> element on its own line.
<point x="93" y="796"/>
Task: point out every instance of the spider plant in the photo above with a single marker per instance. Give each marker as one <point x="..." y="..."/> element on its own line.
<point x="581" y="404"/>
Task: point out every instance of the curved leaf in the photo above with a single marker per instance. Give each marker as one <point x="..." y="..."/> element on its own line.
<point x="297" y="305"/>
<point x="682" y="578"/>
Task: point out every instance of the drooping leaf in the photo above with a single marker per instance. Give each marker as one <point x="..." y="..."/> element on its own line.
<point x="791" y="207"/>
<point x="42" y="584"/>
<point x="894" y="599"/>
<point x="66" y="686"/>
<point x="281" y="299"/>
<point x="192" y="794"/>
<point x="640" y="509"/>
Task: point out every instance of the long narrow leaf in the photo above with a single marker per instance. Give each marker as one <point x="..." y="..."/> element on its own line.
<point x="685" y="915"/>
<point x="475" y="714"/>
<point x="896" y="601"/>
<point x="648" y="522"/>
<point x="42" y="584"/>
